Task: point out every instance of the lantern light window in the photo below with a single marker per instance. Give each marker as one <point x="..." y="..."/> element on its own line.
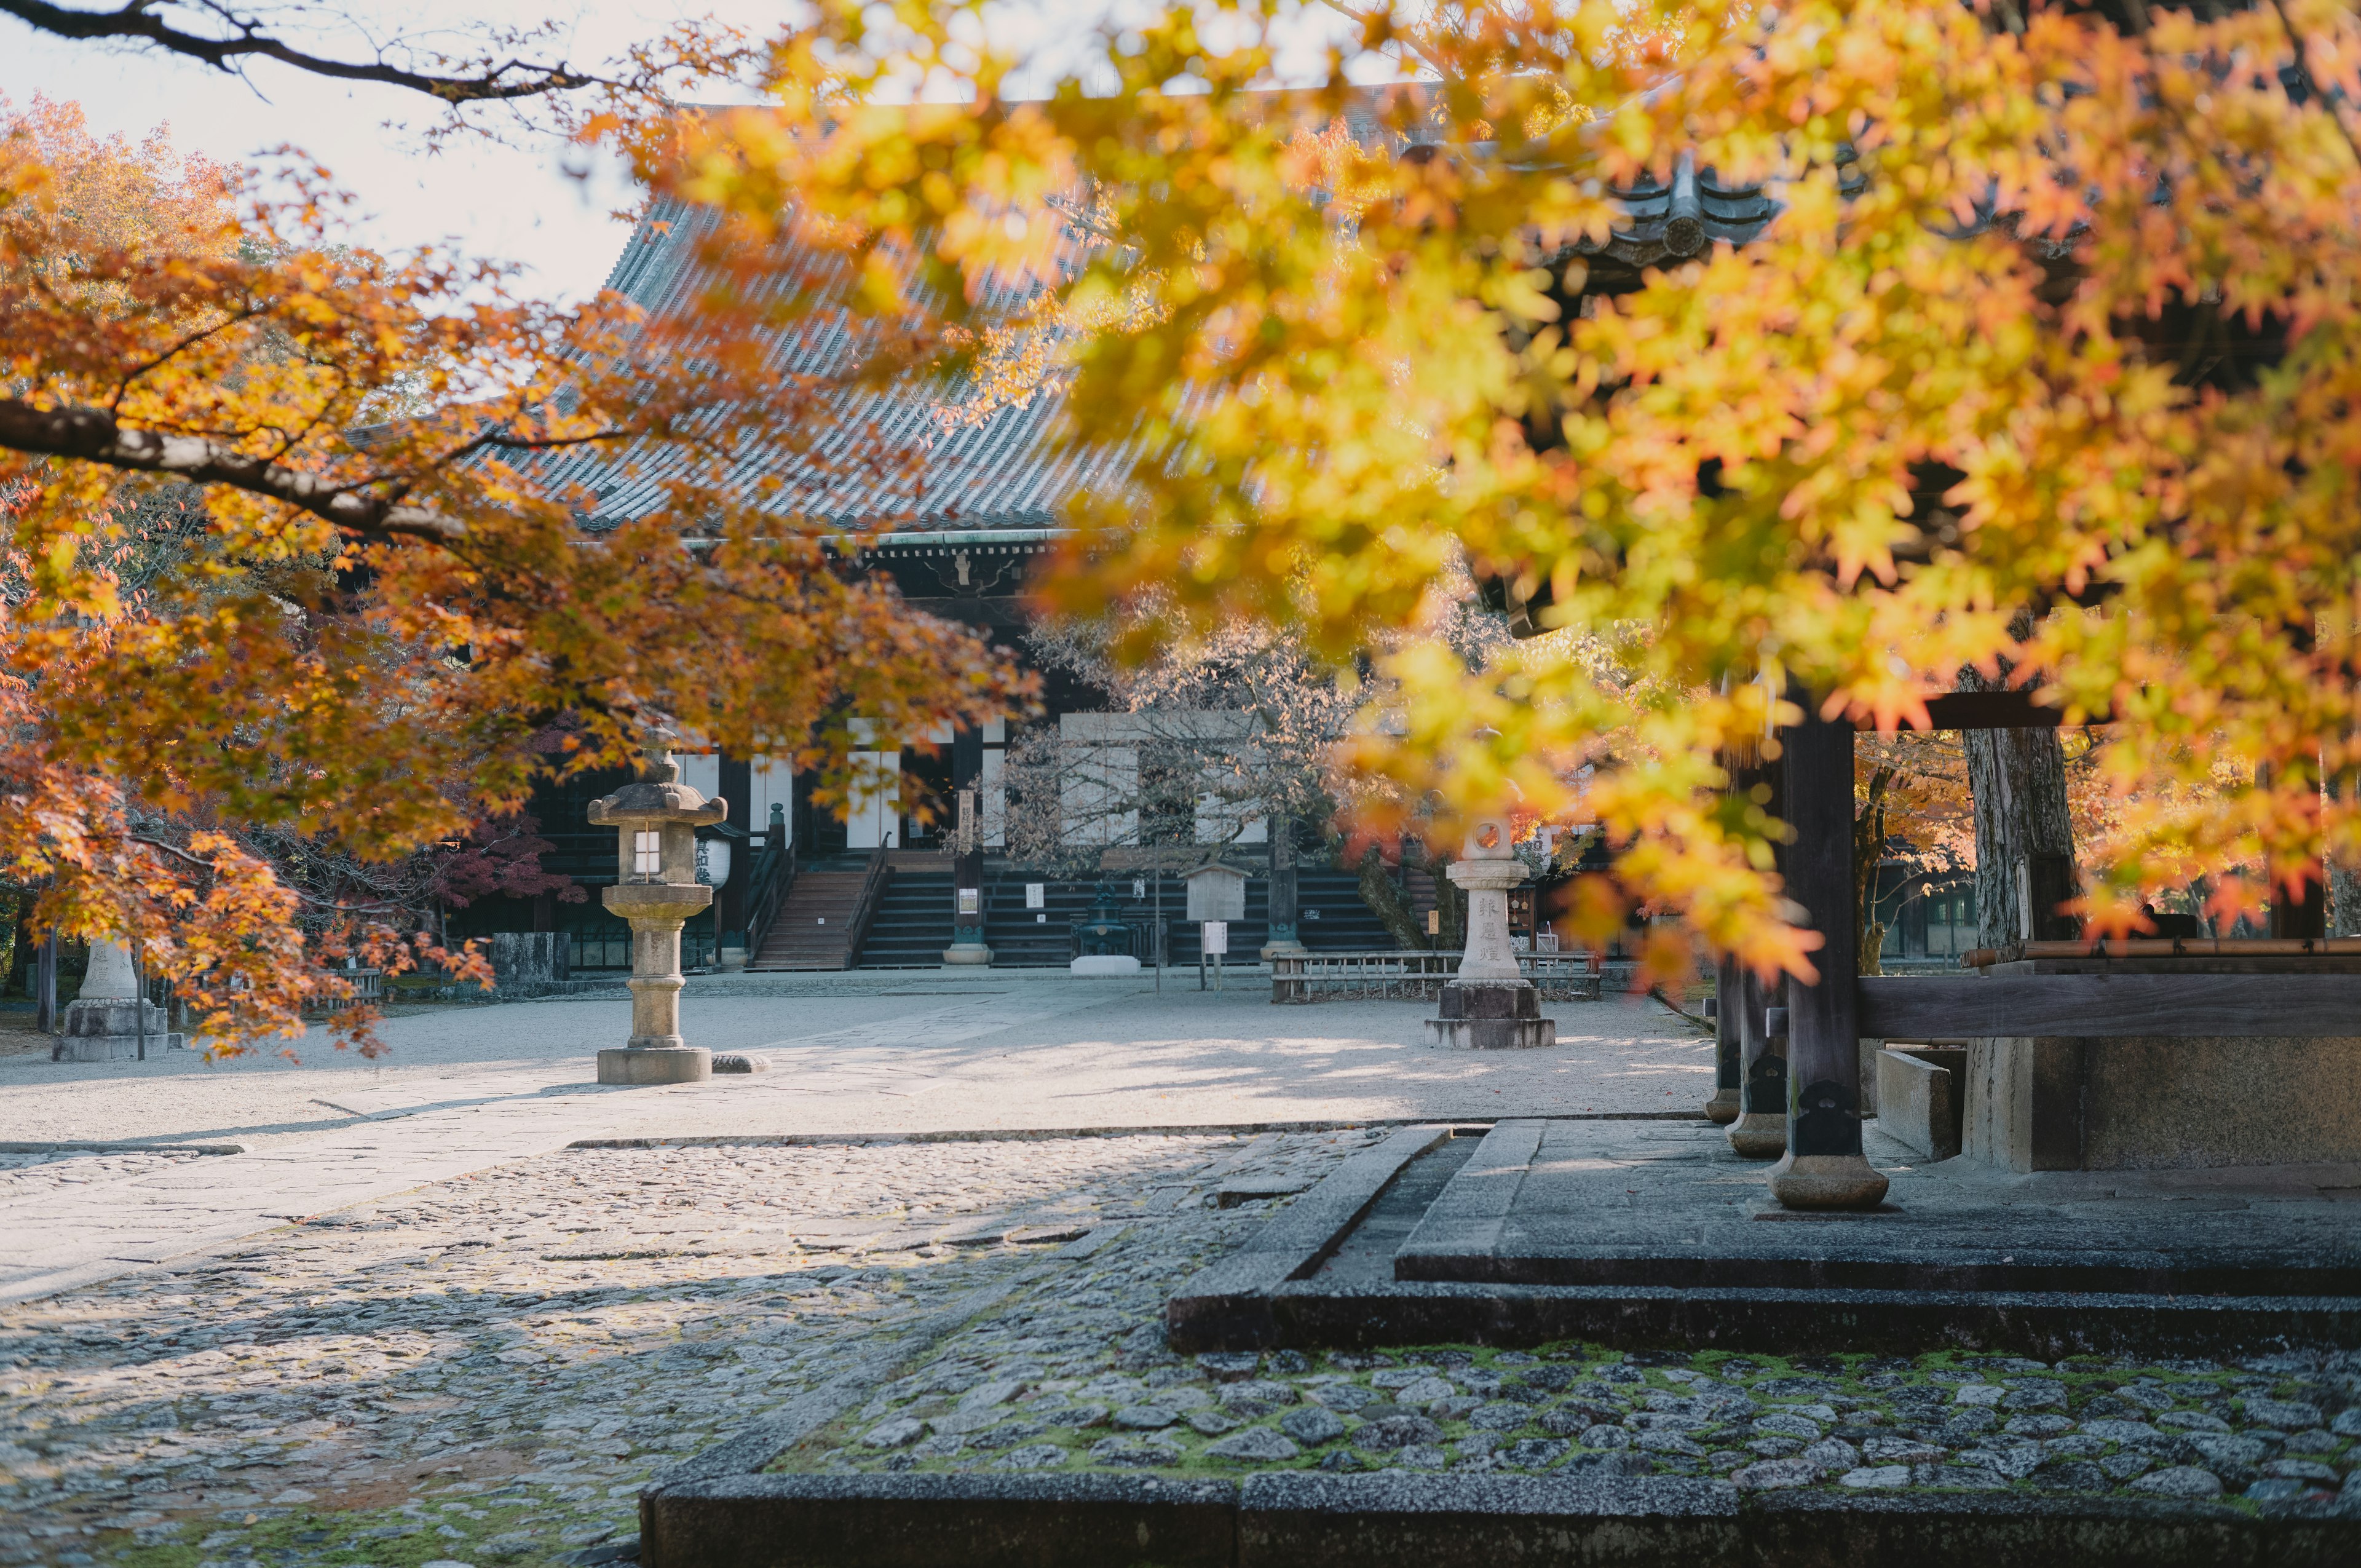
<point x="647" y="853"/>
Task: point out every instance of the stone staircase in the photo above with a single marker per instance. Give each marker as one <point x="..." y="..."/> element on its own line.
<point x="811" y="930"/>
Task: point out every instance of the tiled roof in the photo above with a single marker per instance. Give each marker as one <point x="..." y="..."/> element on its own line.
<point x="1008" y="469"/>
<point x="1005" y="470"/>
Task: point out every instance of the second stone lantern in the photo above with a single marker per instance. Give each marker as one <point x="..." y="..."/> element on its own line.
<point x="655" y="820"/>
<point x="1490" y="1005"/>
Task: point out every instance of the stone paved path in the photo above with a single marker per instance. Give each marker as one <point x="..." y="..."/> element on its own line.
<point x="903" y="1053"/>
<point x="467" y="1088"/>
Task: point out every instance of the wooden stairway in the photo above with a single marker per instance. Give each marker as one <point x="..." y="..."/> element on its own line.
<point x="813" y="928"/>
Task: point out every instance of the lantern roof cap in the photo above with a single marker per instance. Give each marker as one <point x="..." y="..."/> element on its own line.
<point x="657" y="794"/>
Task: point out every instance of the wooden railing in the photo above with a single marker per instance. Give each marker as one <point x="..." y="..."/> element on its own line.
<point x="864" y="909"/>
<point x="774" y="873"/>
<point x="1409" y="975"/>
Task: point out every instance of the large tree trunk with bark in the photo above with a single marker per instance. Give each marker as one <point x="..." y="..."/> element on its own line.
<point x="2025" y="834"/>
<point x="1385" y="899"/>
<point x="1868" y="853"/>
<point x="2343" y="877"/>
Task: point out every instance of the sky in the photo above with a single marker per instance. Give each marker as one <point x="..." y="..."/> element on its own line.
<point x="538" y="203"/>
<point x="523" y="203"/>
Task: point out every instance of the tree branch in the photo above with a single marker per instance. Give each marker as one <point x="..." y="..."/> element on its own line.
<point x="136" y="19"/>
<point x="94" y="435"/>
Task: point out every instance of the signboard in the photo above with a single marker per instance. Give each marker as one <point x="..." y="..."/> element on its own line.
<point x="1037" y="895"/>
<point x="971" y="901"/>
<point x="1216" y="938"/>
<point x="1217" y="893"/>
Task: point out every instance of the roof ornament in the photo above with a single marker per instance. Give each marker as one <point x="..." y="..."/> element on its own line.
<point x="1685" y="216"/>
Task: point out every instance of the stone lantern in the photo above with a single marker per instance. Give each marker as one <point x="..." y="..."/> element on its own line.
<point x="655" y="820"/>
<point x="1490" y="1005"/>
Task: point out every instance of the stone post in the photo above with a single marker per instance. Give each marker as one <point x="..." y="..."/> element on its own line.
<point x="1285" y="942"/>
<point x="1490" y="1005"/>
<point x="106" y="1022"/>
<point x="1824" y="1168"/>
<point x="1729" y="1067"/>
<point x="655" y="819"/>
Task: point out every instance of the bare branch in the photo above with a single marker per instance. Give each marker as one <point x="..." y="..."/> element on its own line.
<point x="136" y="20"/>
<point x="94" y="435"/>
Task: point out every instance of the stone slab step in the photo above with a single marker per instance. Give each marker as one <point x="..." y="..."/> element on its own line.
<point x="1400" y="1519"/>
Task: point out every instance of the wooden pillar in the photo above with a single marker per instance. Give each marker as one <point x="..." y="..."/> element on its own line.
<point x="730" y="898"/>
<point x="1727" y="1061"/>
<point x="1760" y="1130"/>
<point x="1823" y="1168"/>
<point x="967" y="860"/>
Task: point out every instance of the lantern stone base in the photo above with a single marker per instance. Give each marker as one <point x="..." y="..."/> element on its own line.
<point x="654" y="1064"/>
<point x="1491" y="1015"/>
<point x="107" y="1029"/>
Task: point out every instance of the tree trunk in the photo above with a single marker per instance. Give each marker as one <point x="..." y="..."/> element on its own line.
<point x="2344" y="879"/>
<point x="2025" y="835"/>
<point x="1384" y="897"/>
<point x="1868" y="852"/>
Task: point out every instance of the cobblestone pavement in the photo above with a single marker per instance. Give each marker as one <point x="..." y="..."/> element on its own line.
<point x="486" y="1370"/>
<point x="1072" y="1374"/>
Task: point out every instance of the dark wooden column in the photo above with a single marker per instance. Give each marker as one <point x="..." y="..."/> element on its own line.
<point x="967" y="860"/>
<point x="1823" y="1168"/>
<point x="730" y="898"/>
<point x="1729" y="1067"/>
<point x="1760" y="1130"/>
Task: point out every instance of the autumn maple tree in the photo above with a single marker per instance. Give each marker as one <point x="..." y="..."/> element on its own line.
<point x="2044" y="369"/>
<point x="387" y="603"/>
<point x="2055" y="319"/>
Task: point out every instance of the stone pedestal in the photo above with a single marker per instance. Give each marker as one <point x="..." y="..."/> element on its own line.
<point x="1490" y="1005"/>
<point x="105" y="1023"/>
<point x="1491" y="1015"/>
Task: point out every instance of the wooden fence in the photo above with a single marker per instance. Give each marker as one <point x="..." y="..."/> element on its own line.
<point x="1412" y="976"/>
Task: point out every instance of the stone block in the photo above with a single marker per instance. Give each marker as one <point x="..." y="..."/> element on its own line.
<point x="643" y="1065"/>
<point x="2024" y="1103"/>
<point x="2157" y="1103"/>
<point x="1918" y="1098"/>
<point x="529" y="963"/>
